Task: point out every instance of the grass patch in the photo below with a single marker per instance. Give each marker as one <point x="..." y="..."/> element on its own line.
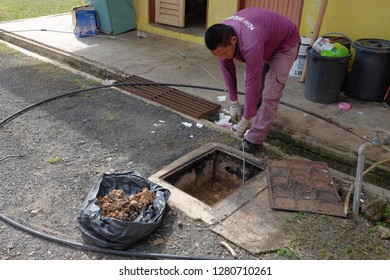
<point x="54" y="160"/>
<point x="86" y="84"/>
<point x="5" y="49"/>
<point x="288" y="253"/>
<point x="285" y="252"/>
<point x="110" y="118"/>
<point x="386" y="215"/>
<point x="300" y="215"/>
<point x="20" y="9"/>
<point x="296" y="216"/>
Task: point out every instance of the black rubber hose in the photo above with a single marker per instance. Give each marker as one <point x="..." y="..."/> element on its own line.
<point x="98" y="249"/>
<point x="109" y="251"/>
<point x="28" y="108"/>
<point x="78" y="245"/>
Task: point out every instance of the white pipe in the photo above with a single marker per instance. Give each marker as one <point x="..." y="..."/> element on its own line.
<point x="360" y="170"/>
<point x="359" y="177"/>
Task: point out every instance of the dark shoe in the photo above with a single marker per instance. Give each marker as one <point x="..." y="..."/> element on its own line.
<point x="249" y="147"/>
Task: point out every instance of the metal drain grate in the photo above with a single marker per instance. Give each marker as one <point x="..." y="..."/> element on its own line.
<point x="172" y="98"/>
<point x="307" y="186"/>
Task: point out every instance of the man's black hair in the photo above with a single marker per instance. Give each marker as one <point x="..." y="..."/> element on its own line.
<point x="218" y="35"/>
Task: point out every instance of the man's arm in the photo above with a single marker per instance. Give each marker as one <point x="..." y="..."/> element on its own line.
<point x="253" y="81"/>
<point x="229" y="75"/>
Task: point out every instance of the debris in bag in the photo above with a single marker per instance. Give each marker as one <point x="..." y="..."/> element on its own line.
<point x="116" y="204"/>
<point x="121" y="209"/>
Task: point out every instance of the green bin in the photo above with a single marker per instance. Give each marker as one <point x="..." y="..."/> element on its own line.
<point x="114" y="16"/>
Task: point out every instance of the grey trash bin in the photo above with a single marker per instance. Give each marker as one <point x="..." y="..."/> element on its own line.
<point x="324" y="77"/>
<point x="370" y="75"/>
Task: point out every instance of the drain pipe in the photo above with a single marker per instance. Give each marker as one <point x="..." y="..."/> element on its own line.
<point x="376" y="142"/>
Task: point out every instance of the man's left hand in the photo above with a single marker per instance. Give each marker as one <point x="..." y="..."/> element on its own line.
<point x="242" y="127"/>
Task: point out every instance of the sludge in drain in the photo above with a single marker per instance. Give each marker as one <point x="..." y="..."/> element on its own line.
<point x="213" y="176"/>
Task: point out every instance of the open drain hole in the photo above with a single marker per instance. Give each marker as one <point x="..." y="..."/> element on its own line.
<point x="212" y="177"/>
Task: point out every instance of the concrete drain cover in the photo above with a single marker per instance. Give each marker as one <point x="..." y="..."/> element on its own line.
<point x="170" y="97"/>
<point x="299" y="185"/>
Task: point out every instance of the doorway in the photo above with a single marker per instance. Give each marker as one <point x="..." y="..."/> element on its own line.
<point x="184" y="16"/>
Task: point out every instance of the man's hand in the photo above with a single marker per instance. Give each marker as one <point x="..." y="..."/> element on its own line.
<point x="235" y="111"/>
<point x="242" y="127"/>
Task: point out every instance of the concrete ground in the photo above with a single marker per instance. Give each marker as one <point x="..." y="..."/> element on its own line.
<point x="318" y="127"/>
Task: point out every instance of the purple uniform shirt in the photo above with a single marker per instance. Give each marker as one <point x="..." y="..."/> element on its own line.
<point x="260" y="33"/>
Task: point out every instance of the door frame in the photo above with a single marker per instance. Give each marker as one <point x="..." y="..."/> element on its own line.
<point x="152" y="10"/>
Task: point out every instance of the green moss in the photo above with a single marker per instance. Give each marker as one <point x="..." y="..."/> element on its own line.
<point x="386" y="215"/>
<point x="110" y="118"/>
<point x="300" y="215"/>
<point x="54" y="160"/>
<point x="286" y="253"/>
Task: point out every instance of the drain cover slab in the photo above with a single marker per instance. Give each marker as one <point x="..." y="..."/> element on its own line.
<point x="300" y="185"/>
<point x="170" y="97"/>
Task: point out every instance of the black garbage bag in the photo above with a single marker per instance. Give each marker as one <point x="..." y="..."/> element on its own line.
<point x="114" y="233"/>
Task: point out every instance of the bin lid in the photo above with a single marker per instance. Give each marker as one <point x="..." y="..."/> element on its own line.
<point x="372" y="45"/>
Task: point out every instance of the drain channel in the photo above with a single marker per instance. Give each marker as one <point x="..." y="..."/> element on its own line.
<point x="172" y="98"/>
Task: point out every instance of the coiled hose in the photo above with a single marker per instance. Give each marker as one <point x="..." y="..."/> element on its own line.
<point x="110" y="251"/>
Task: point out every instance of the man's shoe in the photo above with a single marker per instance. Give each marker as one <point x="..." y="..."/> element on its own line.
<point x="249" y="147"/>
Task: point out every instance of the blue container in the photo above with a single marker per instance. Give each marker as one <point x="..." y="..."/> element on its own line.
<point x="114" y="16"/>
<point x="85" y="22"/>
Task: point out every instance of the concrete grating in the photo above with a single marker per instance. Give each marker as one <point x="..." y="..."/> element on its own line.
<point x="302" y="185"/>
<point x="170" y="97"/>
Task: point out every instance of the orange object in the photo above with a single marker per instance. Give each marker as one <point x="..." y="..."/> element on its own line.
<point x="387" y="94"/>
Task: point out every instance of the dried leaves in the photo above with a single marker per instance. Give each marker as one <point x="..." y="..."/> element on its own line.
<point x="118" y="205"/>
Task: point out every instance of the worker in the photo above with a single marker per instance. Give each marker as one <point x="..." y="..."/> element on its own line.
<point x="267" y="43"/>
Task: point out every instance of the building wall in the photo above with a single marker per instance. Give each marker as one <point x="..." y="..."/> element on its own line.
<point x="218" y="10"/>
<point x="355" y="18"/>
